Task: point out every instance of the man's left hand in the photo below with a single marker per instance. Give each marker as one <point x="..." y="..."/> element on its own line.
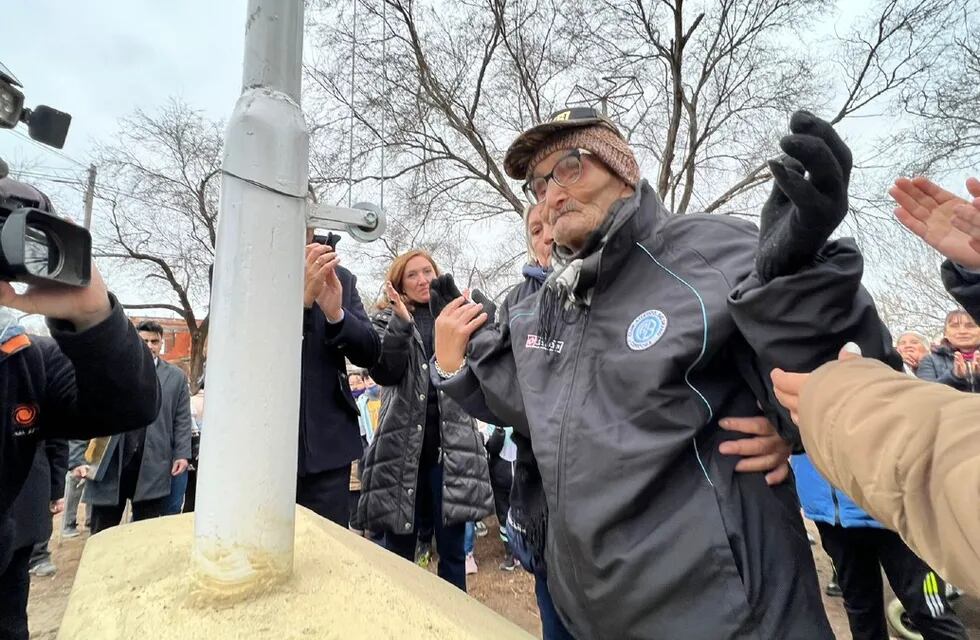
<point x="808" y="200"/>
<point x="57" y="506"/>
<point x="180" y="466"/>
<point x="331" y="297"/>
<point x="766" y="451"/>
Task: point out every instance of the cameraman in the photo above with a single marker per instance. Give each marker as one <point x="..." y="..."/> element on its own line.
<point x="94" y="377"/>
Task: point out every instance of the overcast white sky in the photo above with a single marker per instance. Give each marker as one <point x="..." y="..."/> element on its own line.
<point x="100" y="60"/>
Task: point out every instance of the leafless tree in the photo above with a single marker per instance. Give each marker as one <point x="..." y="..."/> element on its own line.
<point x="158" y="194"/>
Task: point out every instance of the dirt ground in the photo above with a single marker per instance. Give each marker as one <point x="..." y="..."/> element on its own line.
<point x="511" y="594"/>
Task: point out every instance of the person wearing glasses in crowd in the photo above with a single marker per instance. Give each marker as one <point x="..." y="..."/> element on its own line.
<point x="649" y="333"/>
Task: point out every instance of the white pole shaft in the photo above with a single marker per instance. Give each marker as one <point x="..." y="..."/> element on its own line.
<point x="244" y="518"/>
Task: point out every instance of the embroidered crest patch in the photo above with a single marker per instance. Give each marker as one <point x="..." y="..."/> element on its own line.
<point x="646" y="329"/>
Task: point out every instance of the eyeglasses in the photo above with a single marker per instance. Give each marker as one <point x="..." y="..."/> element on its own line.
<point x="565" y="173"/>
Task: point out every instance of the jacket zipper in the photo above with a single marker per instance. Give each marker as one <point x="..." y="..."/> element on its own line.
<point x="561" y="450"/>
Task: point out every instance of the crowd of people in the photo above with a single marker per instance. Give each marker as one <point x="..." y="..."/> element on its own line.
<point x="630" y="412"/>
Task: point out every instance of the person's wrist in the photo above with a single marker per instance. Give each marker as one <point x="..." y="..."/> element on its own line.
<point x="334" y="316"/>
<point x="89" y="319"/>
<point x="449" y="367"/>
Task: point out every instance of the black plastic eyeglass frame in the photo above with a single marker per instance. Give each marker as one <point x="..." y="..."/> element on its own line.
<point x="528" y="187"/>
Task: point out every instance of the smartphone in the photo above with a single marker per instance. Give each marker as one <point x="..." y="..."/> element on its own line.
<point x="331" y="239"/>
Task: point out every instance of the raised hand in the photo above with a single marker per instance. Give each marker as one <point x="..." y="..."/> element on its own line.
<point x="802" y="211"/>
<point x="454" y="326"/>
<point x="947" y="223"/>
<point x="397" y="303"/>
<point x="320" y="260"/>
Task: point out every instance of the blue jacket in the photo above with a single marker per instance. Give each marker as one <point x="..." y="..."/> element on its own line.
<point x="823" y="503"/>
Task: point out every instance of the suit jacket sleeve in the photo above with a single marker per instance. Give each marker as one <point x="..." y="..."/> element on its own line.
<point x="964" y="286"/>
<point x="76" y="453"/>
<point x="98" y="382"/>
<point x="182" y="422"/>
<point x="354" y="335"/>
<point x="907" y="451"/>
<point x="57" y="453"/>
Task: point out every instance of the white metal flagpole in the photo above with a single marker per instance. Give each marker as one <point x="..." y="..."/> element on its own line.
<point x="245" y="512"/>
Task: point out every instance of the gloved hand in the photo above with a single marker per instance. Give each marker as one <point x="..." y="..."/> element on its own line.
<point x="442" y="291"/>
<point x="802" y="211"/>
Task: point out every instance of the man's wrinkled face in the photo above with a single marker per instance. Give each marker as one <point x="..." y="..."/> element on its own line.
<point x="575" y="210"/>
<point x="152" y="340"/>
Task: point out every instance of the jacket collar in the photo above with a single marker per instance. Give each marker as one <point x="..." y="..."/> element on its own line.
<point x="630" y="220"/>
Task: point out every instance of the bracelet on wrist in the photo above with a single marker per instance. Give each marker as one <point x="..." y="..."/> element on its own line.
<point x="445" y="375"/>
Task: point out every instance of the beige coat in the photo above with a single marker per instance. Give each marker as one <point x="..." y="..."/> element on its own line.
<point x="907" y="451"/>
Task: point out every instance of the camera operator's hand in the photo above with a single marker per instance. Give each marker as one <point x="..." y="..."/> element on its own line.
<point x="84" y="307"/>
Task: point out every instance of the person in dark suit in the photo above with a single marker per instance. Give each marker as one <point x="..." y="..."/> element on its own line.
<point x="335" y="328"/>
<point x="138" y="465"/>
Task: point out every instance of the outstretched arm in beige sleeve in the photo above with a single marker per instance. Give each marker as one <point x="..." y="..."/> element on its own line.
<point x="906" y="450"/>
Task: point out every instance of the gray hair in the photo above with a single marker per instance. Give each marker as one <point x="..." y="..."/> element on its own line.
<point x="924" y="341"/>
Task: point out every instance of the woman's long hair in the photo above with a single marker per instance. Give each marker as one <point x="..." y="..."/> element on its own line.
<point x="397" y="271"/>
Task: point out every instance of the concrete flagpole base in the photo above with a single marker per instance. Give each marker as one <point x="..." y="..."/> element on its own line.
<point x="136" y="581"/>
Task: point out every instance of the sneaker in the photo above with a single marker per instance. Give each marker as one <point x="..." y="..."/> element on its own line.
<point x="471" y="567"/>
<point x="70" y="532"/>
<point x="481" y="530"/>
<point x="509" y="564"/>
<point x="44" y="569"/>
<point x="833" y="590"/>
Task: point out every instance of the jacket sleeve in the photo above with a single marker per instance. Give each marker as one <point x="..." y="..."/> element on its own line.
<point x="99" y="381"/>
<point x="907" y="452"/>
<point x="182" y="423"/>
<point x="487" y="387"/>
<point x="76" y="453"/>
<point x="801" y="321"/>
<point x="930" y="370"/>
<point x="964" y="286"/>
<point x="57" y="453"/>
<point x="354" y="335"/>
<point x="395" y="336"/>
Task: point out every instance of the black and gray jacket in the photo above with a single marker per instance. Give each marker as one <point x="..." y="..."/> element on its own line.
<point x="651" y="532"/>
<point x="389" y="479"/>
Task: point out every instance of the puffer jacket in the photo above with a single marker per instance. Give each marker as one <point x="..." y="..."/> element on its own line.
<point x="389" y="479"/>
<point x="651" y="532"/>
<point x="822" y="502"/>
<point x="938" y="367"/>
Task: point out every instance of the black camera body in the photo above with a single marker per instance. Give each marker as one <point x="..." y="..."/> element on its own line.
<point x="36" y="246"/>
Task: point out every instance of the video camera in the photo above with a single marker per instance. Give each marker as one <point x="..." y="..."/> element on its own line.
<point x="36" y="246"/>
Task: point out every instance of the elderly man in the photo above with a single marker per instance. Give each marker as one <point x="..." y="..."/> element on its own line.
<point x="649" y="331"/>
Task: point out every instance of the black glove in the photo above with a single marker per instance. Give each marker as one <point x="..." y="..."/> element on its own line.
<point x="442" y="291"/>
<point x="495" y="443"/>
<point x="802" y="211"/>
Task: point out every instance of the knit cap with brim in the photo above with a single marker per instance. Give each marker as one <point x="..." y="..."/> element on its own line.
<point x="573" y="128"/>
